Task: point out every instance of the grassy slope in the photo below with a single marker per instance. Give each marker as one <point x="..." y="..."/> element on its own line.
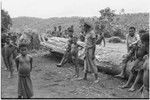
<point x="138" y="20"/>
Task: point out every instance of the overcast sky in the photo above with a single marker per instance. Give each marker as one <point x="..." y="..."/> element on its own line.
<point x="62" y="8"/>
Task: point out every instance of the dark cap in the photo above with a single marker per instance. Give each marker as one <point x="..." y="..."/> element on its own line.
<point x="70" y="30"/>
<point x="87" y="25"/>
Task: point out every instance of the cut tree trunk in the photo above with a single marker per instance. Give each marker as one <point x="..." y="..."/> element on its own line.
<point x="56" y="45"/>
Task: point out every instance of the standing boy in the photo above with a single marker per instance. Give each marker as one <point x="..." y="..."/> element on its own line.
<point x="67" y="54"/>
<point x="24" y="67"/>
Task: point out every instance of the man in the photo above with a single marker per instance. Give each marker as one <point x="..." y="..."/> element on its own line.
<point x="90" y="45"/>
<point x="54" y="32"/>
<point x="131" y="40"/>
<point x="59" y="33"/>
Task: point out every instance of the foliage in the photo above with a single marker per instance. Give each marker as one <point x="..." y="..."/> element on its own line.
<point x="6" y="21"/>
<point x="115" y="40"/>
<point x="106" y="19"/>
<point x="124" y="21"/>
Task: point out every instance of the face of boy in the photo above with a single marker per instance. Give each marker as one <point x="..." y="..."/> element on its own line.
<point x="131" y="32"/>
<point x="23" y="50"/>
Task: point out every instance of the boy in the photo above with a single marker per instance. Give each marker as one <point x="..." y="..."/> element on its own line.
<point x="142" y="50"/>
<point x="67" y="54"/>
<point x="74" y="56"/>
<point x="24" y="67"/>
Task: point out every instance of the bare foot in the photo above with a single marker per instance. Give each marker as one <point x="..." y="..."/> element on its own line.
<point x="124" y="86"/>
<point x="81" y="78"/>
<point x="58" y="65"/>
<point x="96" y="81"/>
<point x="75" y="76"/>
<point x="5" y="69"/>
<point x="9" y="76"/>
<point x="131" y="89"/>
<point x="120" y="76"/>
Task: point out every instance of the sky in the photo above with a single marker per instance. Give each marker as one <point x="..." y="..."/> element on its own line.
<point x="67" y="8"/>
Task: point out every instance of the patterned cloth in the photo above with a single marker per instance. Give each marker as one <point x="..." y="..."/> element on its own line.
<point x="89" y="61"/>
<point x="25" y="87"/>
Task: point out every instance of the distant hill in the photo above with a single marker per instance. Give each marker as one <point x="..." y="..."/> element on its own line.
<point x="41" y="25"/>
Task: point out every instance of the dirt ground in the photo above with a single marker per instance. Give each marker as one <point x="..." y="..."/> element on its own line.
<point x="50" y="81"/>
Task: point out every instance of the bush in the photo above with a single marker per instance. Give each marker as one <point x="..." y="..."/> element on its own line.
<point x="119" y="33"/>
<point x="115" y="40"/>
<point x="107" y="34"/>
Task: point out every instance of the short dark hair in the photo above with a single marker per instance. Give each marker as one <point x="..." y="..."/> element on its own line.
<point x="132" y="28"/>
<point x="87" y="26"/>
<point x="22" y="45"/>
<point x="70" y="30"/>
<point x="142" y="31"/>
<point x="145" y="37"/>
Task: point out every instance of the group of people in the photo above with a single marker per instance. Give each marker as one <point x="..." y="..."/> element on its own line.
<point x="58" y="32"/>
<point x="137" y="52"/>
<point x="137" y="46"/>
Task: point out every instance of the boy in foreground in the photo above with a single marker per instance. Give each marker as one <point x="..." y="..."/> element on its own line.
<point x="24" y="67"/>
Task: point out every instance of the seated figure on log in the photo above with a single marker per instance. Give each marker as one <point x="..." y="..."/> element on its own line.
<point x="131" y="40"/>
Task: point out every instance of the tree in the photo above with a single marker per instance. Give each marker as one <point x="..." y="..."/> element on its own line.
<point x="106" y="18"/>
<point x="6" y="21"/>
<point x="122" y="11"/>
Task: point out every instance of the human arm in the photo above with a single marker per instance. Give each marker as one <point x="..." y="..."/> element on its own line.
<point x="31" y="62"/>
<point x="103" y="38"/>
<point x="137" y="39"/>
<point x="17" y="62"/>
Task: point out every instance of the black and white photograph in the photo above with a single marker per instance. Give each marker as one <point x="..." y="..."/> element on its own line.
<point x="75" y="49"/>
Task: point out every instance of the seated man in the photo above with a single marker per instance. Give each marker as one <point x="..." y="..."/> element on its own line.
<point x="132" y="40"/>
<point x="142" y="50"/>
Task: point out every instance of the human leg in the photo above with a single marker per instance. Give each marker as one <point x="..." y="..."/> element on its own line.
<point x="138" y="77"/>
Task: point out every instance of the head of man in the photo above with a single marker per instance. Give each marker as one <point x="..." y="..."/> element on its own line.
<point x="70" y="32"/>
<point x="141" y="32"/>
<point x="132" y="31"/>
<point x="145" y="41"/>
<point x="59" y="27"/>
<point x="55" y="28"/>
<point x="87" y="27"/>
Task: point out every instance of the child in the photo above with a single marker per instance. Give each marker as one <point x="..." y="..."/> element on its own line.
<point x="24" y="67"/>
<point x="67" y="54"/>
<point x="74" y="56"/>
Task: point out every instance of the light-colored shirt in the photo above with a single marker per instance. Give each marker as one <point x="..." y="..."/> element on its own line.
<point x="131" y="40"/>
